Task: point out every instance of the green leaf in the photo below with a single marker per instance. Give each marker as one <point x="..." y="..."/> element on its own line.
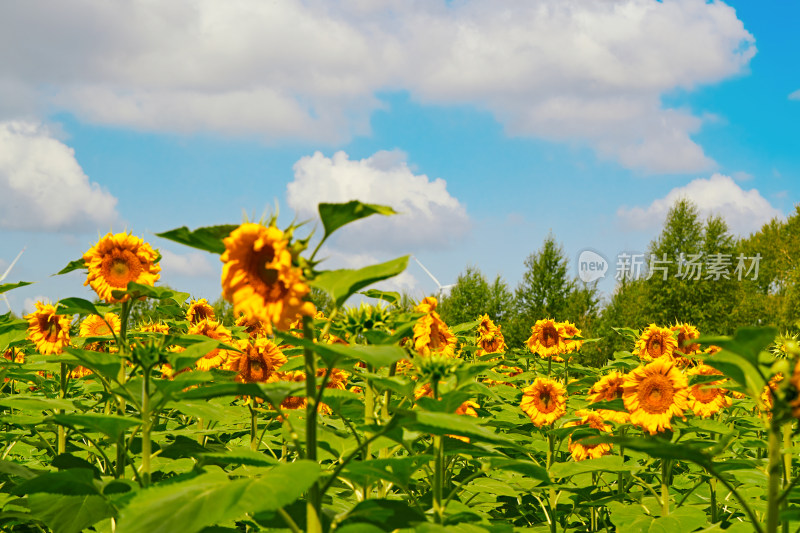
<point x="388" y="514"/>
<point x="607" y="463"/>
<point x="681" y="519"/>
<point x="36" y="403"/>
<point x="334" y="216"/>
<point x="397" y="470"/>
<point x="137" y="290"/>
<point x="387" y="296"/>
<point x="341" y="284"/>
<point x="72" y="306"/>
<point x="187" y="358"/>
<point x="376" y="355"/>
<point x="241" y="456"/>
<point x="5" y="287"/>
<point x="208" y="238"/>
<point x="75" y="481"/>
<point x="452" y="424"/>
<point x="106" y="364"/>
<point x="13" y="469"/>
<point x="209" y="499"/>
<point x="78" y="264"/>
<point x="739" y="369"/>
<point x="274" y="393"/>
<point x="112" y="425"/>
<point x="69" y="514"/>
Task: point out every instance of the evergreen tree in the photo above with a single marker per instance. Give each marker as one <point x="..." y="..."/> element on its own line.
<point x="544" y="291"/>
<point x="472" y="296"/>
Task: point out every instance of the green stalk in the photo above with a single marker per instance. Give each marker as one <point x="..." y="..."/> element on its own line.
<point x="551" y="446"/>
<point x="438" y="478"/>
<point x="774" y="470"/>
<point x="712" y="487"/>
<point x="62" y="431"/>
<point x="146" y="428"/>
<point x="253" y="428"/>
<point x="665" y="467"/>
<point x="313" y="503"/>
<point x="121" y="378"/>
<point x="593" y="509"/>
<point x="369" y="420"/>
<point x="787" y="464"/>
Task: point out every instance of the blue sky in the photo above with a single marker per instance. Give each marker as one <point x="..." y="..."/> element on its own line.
<point x="488" y="124"/>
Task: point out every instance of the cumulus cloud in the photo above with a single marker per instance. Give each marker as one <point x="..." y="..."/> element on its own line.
<point x="42" y="185"/>
<point x="565" y="70"/>
<point x="192" y="264"/>
<point x="744" y="211"/>
<point x="429" y="215"/>
<point x="795" y="95"/>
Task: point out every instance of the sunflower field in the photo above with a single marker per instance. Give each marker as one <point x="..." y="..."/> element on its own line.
<point x="375" y="417"/>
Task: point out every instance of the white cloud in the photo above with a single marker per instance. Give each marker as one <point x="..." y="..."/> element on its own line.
<point x="429" y="215"/>
<point x="29" y="304"/>
<point x="744" y="211"/>
<point x="795" y="95"/>
<point x="193" y="264"/>
<point x="43" y="187"/>
<point x="565" y="70"/>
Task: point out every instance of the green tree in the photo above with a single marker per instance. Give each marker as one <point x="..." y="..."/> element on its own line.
<point x="547" y="291"/>
<point x="472" y="296"/>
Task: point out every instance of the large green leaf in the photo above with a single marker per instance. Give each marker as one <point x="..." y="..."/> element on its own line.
<point x="112" y="425"/>
<point x="397" y="470"/>
<point x="274" y="393"/>
<point x="75" y="481"/>
<point x="72" y="306"/>
<point x="105" y="364"/>
<point x="78" y="264"/>
<point x="389" y="514"/>
<point x="387" y="296"/>
<point x="209" y="499"/>
<point x="138" y="290"/>
<point x="180" y="360"/>
<point x="376" y="355"/>
<point x="5" y="287"/>
<point x="208" y="238"/>
<point x="69" y="514"/>
<point x="452" y="424"/>
<point x="334" y="216"/>
<point x="341" y="284"/>
<point x="36" y="403"/>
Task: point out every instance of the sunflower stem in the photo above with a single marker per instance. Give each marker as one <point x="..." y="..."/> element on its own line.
<point x="146" y="428"/>
<point x="313" y="503"/>
<point x="787" y="464"/>
<point x="551" y="446"/>
<point x="665" y="467"/>
<point x="775" y="472"/>
<point x="62" y="431"/>
<point x="253" y="428"/>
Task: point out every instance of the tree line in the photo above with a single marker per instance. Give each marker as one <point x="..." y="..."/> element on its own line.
<point x="694" y="271"/>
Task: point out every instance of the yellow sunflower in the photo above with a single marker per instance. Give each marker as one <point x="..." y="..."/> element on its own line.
<point x="214" y="330"/>
<point x="606" y="389"/>
<point x="337" y="380"/>
<point x="293" y="402"/>
<point x="706" y="399"/>
<point x="547" y="339"/>
<point x="48" y="331"/>
<point x="15" y="355"/>
<point x="490" y="338"/>
<point x="259" y="279"/>
<point x="258" y="362"/>
<point x="117" y="260"/>
<point x="95" y="326"/>
<point x="544" y="401"/>
<point x="252" y="326"/>
<point x="767" y="395"/>
<point x="468" y="409"/>
<point x="155" y="327"/>
<point x="654" y="393"/>
<point x="686" y="334"/>
<point x="431" y="334"/>
<point x="581" y="452"/>
<point x="568" y="329"/>
<point x="655" y="342"/>
<point x="199" y="310"/>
